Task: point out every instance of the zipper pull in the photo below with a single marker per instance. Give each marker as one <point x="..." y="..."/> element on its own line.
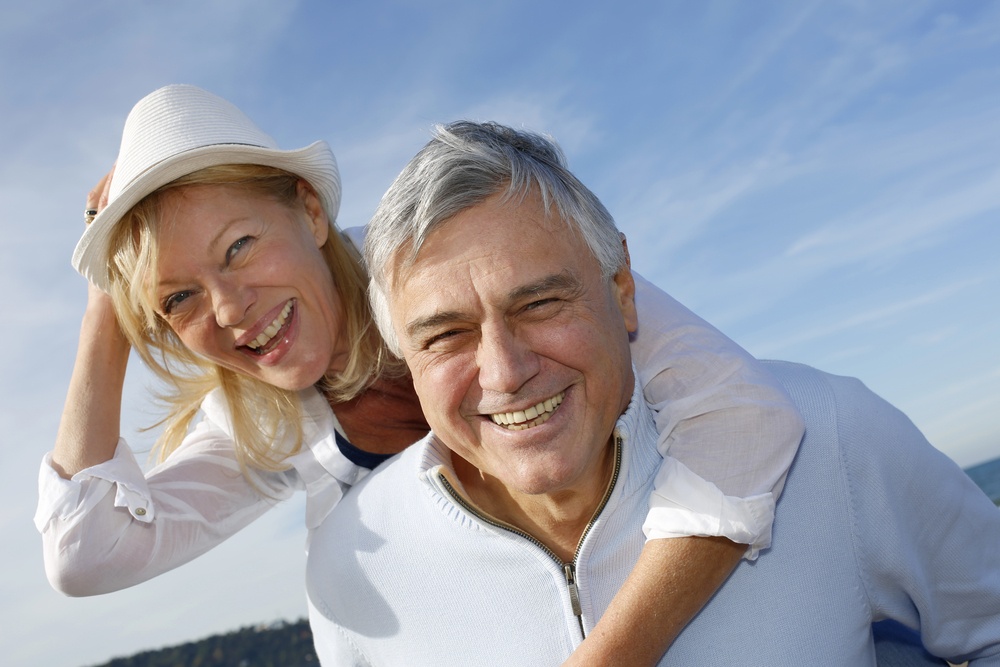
<point x="574" y="594"/>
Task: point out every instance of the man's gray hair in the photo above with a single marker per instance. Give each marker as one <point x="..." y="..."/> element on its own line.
<point x="464" y="164"/>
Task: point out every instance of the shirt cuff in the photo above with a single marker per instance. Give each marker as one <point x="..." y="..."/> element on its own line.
<point x="683" y="504"/>
<point x="60" y="497"/>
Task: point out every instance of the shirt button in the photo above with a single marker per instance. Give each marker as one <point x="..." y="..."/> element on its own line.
<point x="140" y="511"/>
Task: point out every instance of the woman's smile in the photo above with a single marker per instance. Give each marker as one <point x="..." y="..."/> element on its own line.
<point x="265" y="341"/>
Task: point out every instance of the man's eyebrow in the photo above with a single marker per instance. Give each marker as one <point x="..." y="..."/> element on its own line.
<point x="431" y="322"/>
<point x="564" y="281"/>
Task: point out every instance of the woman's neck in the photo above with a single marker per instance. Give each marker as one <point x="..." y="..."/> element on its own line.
<point x="385" y="419"/>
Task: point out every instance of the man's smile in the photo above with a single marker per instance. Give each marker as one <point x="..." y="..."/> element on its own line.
<point x="535" y="415"/>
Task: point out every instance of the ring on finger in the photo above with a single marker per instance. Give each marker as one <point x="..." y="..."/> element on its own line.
<point x="89" y="215"/>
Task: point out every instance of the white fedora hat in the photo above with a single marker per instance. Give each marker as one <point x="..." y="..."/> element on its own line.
<point x="175" y="131"/>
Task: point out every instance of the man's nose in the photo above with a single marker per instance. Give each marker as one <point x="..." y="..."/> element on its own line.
<point x="231" y="302"/>
<point x="505" y="360"/>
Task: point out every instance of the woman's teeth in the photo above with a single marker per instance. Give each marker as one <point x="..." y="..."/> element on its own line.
<point x="533" y="416"/>
<point x="273" y="328"/>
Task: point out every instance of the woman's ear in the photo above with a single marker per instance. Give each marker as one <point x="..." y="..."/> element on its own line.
<point x="316" y="218"/>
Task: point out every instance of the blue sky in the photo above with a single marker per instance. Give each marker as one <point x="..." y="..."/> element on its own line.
<point x="819" y="180"/>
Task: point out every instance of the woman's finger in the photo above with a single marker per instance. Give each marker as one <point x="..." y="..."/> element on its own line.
<point x="103" y="200"/>
<point x="97" y="198"/>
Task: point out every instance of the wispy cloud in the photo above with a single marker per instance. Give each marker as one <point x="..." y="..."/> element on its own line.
<point x="868" y="319"/>
<point x="901" y="218"/>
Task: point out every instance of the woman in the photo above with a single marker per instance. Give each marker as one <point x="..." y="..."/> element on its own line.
<point x="218" y="257"/>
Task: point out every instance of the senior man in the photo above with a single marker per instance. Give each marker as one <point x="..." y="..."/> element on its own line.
<point x="495" y="542"/>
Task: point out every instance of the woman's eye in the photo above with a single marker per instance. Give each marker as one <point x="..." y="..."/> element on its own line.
<point x="240" y="243"/>
<point x="173" y="301"/>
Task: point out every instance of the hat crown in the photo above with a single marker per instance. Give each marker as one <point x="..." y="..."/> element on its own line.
<point x="176" y="119"/>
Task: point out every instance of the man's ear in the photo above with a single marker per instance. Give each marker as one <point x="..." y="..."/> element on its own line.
<point x="625" y="292"/>
<point x="319" y="224"/>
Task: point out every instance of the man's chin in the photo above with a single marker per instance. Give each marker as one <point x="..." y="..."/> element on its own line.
<point x="542" y="479"/>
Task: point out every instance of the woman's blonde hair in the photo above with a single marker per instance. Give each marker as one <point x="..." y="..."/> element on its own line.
<point x="266" y="420"/>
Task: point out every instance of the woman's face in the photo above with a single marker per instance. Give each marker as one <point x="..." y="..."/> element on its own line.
<point x="242" y="282"/>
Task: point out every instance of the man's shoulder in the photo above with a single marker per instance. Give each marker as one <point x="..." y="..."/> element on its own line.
<point x="399" y="472"/>
<point x="845" y="400"/>
<point x="377" y="505"/>
<point x="801" y="378"/>
<point x="822" y="393"/>
<point x="850" y="429"/>
<point x="391" y="493"/>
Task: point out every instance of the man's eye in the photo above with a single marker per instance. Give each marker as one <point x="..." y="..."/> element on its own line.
<point x="534" y="305"/>
<point x="240" y="243"/>
<point x="442" y="337"/>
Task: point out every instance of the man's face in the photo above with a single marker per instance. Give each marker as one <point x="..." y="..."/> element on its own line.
<point x="517" y="345"/>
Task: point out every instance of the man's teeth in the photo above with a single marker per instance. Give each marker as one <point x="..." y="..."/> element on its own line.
<point x="267" y="334"/>
<point x="533" y="416"/>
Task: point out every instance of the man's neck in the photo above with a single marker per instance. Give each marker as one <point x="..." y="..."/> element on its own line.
<point x="557" y="520"/>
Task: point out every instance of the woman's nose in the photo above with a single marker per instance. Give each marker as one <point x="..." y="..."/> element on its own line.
<point x="231" y="302"/>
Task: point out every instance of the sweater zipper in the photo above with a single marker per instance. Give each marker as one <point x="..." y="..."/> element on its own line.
<point x="569" y="569"/>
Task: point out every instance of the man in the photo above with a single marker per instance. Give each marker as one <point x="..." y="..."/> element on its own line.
<point x="501" y="538"/>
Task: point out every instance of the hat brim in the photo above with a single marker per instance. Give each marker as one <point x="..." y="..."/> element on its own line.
<point x="315" y="163"/>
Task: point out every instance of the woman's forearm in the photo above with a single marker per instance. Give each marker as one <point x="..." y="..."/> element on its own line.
<point x="671" y="582"/>
<point x="90" y="425"/>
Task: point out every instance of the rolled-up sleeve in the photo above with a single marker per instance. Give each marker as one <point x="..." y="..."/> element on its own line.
<point x="110" y="526"/>
<point x="685" y="505"/>
<point x="60" y="499"/>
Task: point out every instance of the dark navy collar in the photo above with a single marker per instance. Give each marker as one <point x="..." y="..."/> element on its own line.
<point x="359" y="457"/>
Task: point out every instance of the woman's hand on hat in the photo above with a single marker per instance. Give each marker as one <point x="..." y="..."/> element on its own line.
<point x="97" y="198"/>
<point x="97" y="300"/>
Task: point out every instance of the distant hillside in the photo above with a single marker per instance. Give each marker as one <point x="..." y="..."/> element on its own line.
<point x="290" y="644"/>
<point x="279" y="645"/>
